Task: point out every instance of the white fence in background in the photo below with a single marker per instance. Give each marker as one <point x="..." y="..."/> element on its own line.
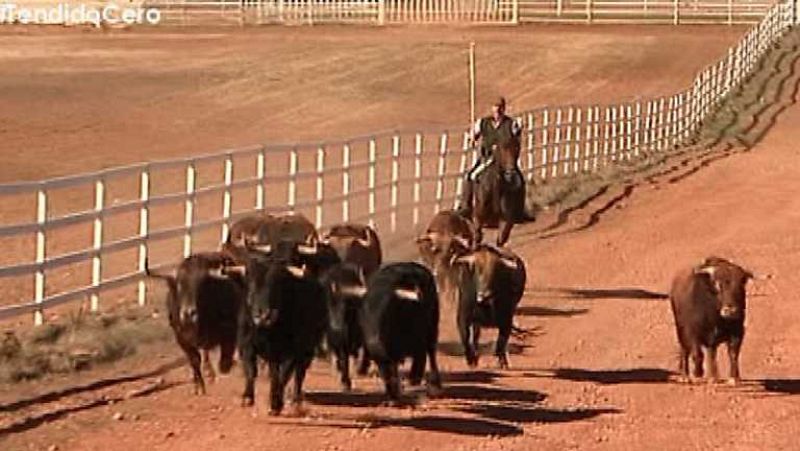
<point x="392" y="181"/>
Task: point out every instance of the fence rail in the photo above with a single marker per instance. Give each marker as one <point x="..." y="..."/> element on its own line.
<point x="391" y="181"/>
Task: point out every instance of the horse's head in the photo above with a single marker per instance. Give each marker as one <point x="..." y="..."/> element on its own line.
<point x="506" y="155"/>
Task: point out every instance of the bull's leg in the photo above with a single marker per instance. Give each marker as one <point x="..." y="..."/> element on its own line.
<point x="208" y="367"/>
<point x="711" y="355"/>
<point x="299" y="376"/>
<point x="476" y="342"/>
<point x="363" y="367"/>
<point x="279" y="374"/>
<point x="390" y="378"/>
<point x="250" y="367"/>
<point x="734" y="346"/>
<point x="697" y="359"/>
<point x="194" y="361"/>
<point x="478" y="232"/>
<point x="226" y="351"/>
<point x="501" y="347"/>
<point x="434" y="379"/>
<point x="504" y="233"/>
<point x="683" y="364"/>
<point x="417" y="369"/>
<point x="464" y="333"/>
<point x="343" y="365"/>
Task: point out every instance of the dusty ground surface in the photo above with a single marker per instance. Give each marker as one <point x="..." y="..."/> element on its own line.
<point x="79" y="100"/>
<point x="593" y="374"/>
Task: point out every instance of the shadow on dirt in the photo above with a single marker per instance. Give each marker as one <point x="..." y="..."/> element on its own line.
<point x="532" y="310"/>
<point x="96" y="385"/>
<point x="453" y="425"/>
<point x="454" y="348"/>
<point x="521" y="414"/>
<point x="611" y="377"/>
<point x="600" y="293"/>
<point x="782" y="386"/>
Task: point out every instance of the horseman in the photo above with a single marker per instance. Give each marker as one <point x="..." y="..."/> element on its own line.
<point x="494" y="131"/>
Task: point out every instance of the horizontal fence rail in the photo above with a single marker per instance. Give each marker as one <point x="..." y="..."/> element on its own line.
<point x="158" y="211"/>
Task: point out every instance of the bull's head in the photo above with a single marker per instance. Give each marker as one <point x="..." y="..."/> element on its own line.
<point x="438" y="250"/>
<point x="481" y="268"/>
<point x="728" y="281"/>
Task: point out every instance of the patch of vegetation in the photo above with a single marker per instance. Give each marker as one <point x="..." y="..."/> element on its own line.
<point x="77" y="343"/>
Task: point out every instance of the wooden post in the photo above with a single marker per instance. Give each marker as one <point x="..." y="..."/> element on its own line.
<point x="588" y="137"/>
<point x="596" y="138"/>
<point x="730" y="12"/>
<point x="576" y="147"/>
<point x="381" y="12"/>
<point x="41" y="250"/>
<point x="144" y="230"/>
<point x="97" y="244"/>
<point x="556" y="143"/>
<point x="545" y="142"/>
<point x="320" y="185"/>
<point x="515" y="12"/>
<point x="675" y="12"/>
<point x="568" y="141"/>
<point x="260" y="173"/>
<point x="606" y="136"/>
<point x="589" y="11"/>
<point x="191" y="182"/>
<point x="371" y="182"/>
<point x="462" y="168"/>
<point x="346" y="183"/>
<point x="637" y="129"/>
<point x="614" y="135"/>
<point x="559" y="7"/>
<point x="472" y="81"/>
<point x="417" y="176"/>
<point x="291" y="201"/>
<point x="395" y="179"/>
<point x="531" y="144"/>
<point x="628" y="132"/>
<point x="440" y="172"/>
<point x="661" y="124"/>
<point x="226" y="198"/>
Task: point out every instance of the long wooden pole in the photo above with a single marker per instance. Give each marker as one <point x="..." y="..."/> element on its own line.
<point x="471" y="83"/>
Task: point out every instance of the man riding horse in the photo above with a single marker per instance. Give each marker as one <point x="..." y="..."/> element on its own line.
<point x="495" y="131"/>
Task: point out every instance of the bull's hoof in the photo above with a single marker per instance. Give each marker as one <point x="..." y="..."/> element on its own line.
<point x="199" y="389"/>
<point x="435" y="389"/>
<point x="681" y="379"/>
<point x="472" y="362"/>
<point x="274" y="412"/>
<point x="346" y="387"/>
<point x="247" y="401"/>
<point x="733" y="382"/>
<point x="502" y="364"/>
<point x="297" y="411"/>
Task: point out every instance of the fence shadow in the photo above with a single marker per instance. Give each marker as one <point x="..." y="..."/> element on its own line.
<point x="95" y="385"/>
<point x="610" y="377"/>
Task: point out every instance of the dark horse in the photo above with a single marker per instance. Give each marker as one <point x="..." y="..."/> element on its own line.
<point x="500" y="193"/>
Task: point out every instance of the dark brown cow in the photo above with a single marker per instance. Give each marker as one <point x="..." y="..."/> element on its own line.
<point x="500" y="194"/>
<point x="203" y="306"/>
<point x="448" y="235"/>
<point x="264" y="232"/>
<point x="357" y="244"/>
<point x="708" y="303"/>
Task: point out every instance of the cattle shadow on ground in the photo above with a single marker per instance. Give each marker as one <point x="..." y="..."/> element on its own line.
<point x="473" y="377"/>
<point x="452" y="425"/>
<point x="609" y="377"/>
<point x="454" y="348"/>
<point x="484" y="393"/>
<point x="359" y="399"/>
<point x="95" y="385"/>
<point x="600" y="293"/>
<point x="523" y="414"/>
<point x="533" y="310"/>
<point x="781" y="386"/>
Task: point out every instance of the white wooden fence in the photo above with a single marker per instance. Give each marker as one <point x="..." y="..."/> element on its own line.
<point x="391" y="181"/>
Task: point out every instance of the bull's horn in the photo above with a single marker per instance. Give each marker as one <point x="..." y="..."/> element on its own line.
<point x="217" y="273"/>
<point x="758" y="276"/>
<point x="326" y="239"/>
<point x="469" y="259"/>
<point x="509" y="263"/>
<point x="263" y="248"/>
<point x="422" y="238"/>
<point x="406" y="294"/>
<point x="297" y="271"/>
<point x="462" y="241"/>
<point x="365" y="242"/>
<point x="305" y="249"/>
<point x="237" y="269"/>
<point x="710" y="270"/>
<point x="358" y="291"/>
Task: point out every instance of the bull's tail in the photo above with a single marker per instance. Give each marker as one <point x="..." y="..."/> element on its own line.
<point x="170" y="279"/>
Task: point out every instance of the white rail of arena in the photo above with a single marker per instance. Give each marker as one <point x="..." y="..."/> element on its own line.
<point x="404" y="177"/>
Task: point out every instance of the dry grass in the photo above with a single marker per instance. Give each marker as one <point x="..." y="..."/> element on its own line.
<point x="78" y="343"/>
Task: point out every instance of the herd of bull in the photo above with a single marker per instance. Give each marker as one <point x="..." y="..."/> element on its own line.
<point x="278" y="289"/>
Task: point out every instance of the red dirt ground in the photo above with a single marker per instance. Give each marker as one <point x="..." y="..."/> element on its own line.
<point x="591" y="376"/>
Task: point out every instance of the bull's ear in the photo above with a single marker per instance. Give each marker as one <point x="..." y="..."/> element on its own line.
<point x="263" y="248"/>
<point x="297" y="271"/>
<point x="406" y="294"/>
<point x="509" y="263"/>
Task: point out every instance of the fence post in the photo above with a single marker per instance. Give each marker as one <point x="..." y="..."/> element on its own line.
<point x="320" y="184"/>
<point x="191" y="184"/>
<point x="596" y="138"/>
<point x="97" y="243"/>
<point x="292" y="189"/>
<point x="545" y="126"/>
<point x="395" y="179"/>
<point x="559" y="7"/>
<point x="515" y="12"/>
<point x="381" y="12"/>
<point x="588" y="137"/>
<point x="226" y="197"/>
<point x="614" y="133"/>
<point x="260" y="170"/>
<point x="730" y="12"/>
<point x="41" y="248"/>
<point x="576" y="147"/>
<point x="371" y="182"/>
<point x="346" y="183"/>
<point x="556" y="143"/>
<point x="417" y="175"/>
<point x="589" y="11"/>
<point x="628" y="131"/>
<point x="531" y="143"/>
<point x="462" y="169"/>
<point x="675" y="12"/>
<point x="440" y="172"/>
<point x="144" y="226"/>
<point x="606" y="136"/>
<point x="568" y="141"/>
<point x="637" y="136"/>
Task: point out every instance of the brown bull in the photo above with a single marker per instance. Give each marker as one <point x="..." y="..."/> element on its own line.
<point x="357" y="244"/>
<point x="708" y="303"/>
<point x="500" y="194"/>
<point x="448" y="235"/>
